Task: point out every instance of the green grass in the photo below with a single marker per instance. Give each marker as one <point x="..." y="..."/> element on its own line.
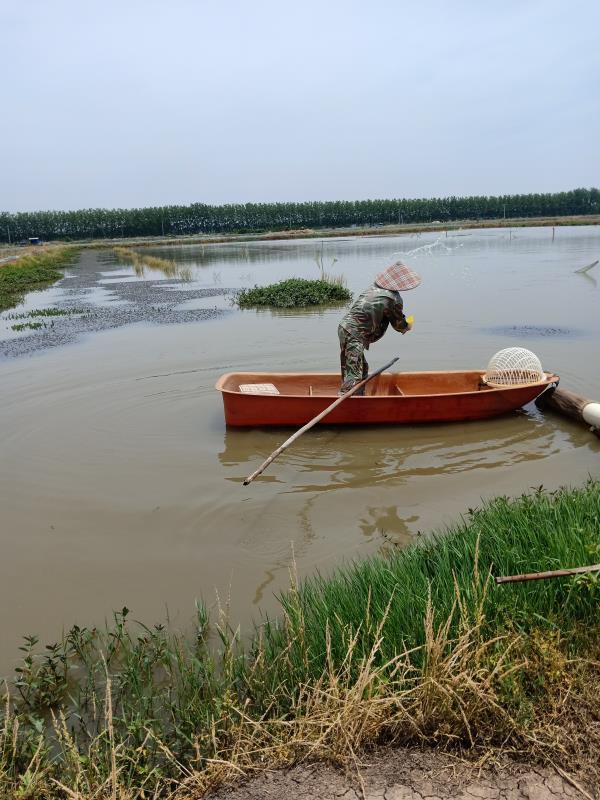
<point x="33" y="326"/>
<point x="47" y="312"/>
<point x="533" y="533"/>
<point x="416" y="645"/>
<point x="294" y="292"/>
<point x="43" y="314"/>
<point x="31" y="272"/>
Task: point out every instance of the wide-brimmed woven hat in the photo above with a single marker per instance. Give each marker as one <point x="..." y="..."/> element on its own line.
<point x="398" y="278"/>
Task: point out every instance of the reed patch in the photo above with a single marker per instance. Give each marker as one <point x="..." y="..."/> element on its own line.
<point x="141" y="262"/>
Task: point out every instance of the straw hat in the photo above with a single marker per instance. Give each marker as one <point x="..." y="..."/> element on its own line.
<point x="398" y="278"/>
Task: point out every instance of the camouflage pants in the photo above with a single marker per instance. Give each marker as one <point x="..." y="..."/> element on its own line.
<point x="353" y="362"/>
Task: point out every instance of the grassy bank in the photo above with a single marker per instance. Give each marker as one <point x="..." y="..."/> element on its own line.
<point x="295" y="293"/>
<point x="32" y="271"/>
<point x="416" y="645"/>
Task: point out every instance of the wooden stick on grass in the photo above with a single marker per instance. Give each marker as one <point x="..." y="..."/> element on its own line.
<point x="314" y="421"/>
<point x="556" y="573"/>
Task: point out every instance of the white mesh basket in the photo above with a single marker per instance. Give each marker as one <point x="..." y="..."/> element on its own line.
<point x="512" y="367"/>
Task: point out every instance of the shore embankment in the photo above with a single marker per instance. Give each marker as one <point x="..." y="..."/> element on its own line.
<point x="36" y="268"/>
<point x="367" y="230"/>
<point x="416" y="646"/>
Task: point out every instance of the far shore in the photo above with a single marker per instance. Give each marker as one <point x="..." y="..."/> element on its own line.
<point x="365" y="230"/>
<point x="313" y="233"/>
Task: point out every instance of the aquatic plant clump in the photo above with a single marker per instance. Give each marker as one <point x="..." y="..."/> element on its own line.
<point x="43" y="314"/>
<point x="293" y="293"/>
<point x="417" y="645"/>
<point x="47" y="312"/>
<point x="33" y="326"/>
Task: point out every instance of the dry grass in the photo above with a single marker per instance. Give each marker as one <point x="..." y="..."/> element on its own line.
<point x="456" y="699"/>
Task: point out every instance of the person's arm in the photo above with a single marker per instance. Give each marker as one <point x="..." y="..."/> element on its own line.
<point x="397" y="319"/>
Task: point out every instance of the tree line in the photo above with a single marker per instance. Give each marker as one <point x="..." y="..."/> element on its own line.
<point x="98" y="223"/>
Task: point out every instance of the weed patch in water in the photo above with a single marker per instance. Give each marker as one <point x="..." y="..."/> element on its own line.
<point x="294" y="292"/>
<point x="415" y="646"/>
<point x="43" y="313"/>
<point x="47" y="312"/>
<point x="34" y="326"/>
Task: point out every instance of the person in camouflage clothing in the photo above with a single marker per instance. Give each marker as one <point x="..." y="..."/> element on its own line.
<point x="368" y="319"/>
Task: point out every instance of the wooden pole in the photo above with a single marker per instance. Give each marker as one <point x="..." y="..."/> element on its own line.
<point x="556" y="573"/>
<point x="587" y="268"/>
<point x="314" y="421"/>
<point x="572" y="405"/>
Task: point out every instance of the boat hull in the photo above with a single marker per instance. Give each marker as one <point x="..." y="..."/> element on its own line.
<point x="393" y="399"/>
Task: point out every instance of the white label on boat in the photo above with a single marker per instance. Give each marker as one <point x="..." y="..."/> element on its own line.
<point x="258" y="388"/>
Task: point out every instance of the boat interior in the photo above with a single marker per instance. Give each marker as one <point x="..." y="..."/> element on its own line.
<point x="328" y="384"/>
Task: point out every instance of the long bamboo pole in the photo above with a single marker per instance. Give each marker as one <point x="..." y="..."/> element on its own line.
<point x="314" y="421"/>
<point x="556" y="573"/>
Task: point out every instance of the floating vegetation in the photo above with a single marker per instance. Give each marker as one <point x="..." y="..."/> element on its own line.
<point x="47" y="312"/>
<point x="293" y="293"/>
<point x="43" y="314"/>
<point x="34" y="326"/>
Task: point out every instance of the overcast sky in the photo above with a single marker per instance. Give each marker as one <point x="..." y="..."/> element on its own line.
<point x="124" y="103"/>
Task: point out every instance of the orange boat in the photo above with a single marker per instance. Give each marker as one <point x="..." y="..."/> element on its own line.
<point x="256" y="399"/>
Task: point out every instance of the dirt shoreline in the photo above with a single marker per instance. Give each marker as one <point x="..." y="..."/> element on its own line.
<point x="413" y="774"/>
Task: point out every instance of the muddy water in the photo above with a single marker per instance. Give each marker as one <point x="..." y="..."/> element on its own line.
<point x="120" y="485"/>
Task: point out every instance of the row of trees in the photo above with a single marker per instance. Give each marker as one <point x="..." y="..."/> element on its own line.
<point x="98" y="223"/>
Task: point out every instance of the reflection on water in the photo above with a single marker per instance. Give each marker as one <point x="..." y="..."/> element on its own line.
<point x="329" y="459"/>
<point x="142" y="262"/>
<point x="589" y="278"/>
<point x="386" y="522"/>
<point x="170" y="269"/>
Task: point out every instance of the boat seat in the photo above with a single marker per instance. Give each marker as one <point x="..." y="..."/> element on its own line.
<point x="258" y="388"/>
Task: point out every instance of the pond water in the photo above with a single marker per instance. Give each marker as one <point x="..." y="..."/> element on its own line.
<point x="120" y="485"/>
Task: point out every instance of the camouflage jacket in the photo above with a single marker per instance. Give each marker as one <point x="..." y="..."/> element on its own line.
<point x="372" y="312"/>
